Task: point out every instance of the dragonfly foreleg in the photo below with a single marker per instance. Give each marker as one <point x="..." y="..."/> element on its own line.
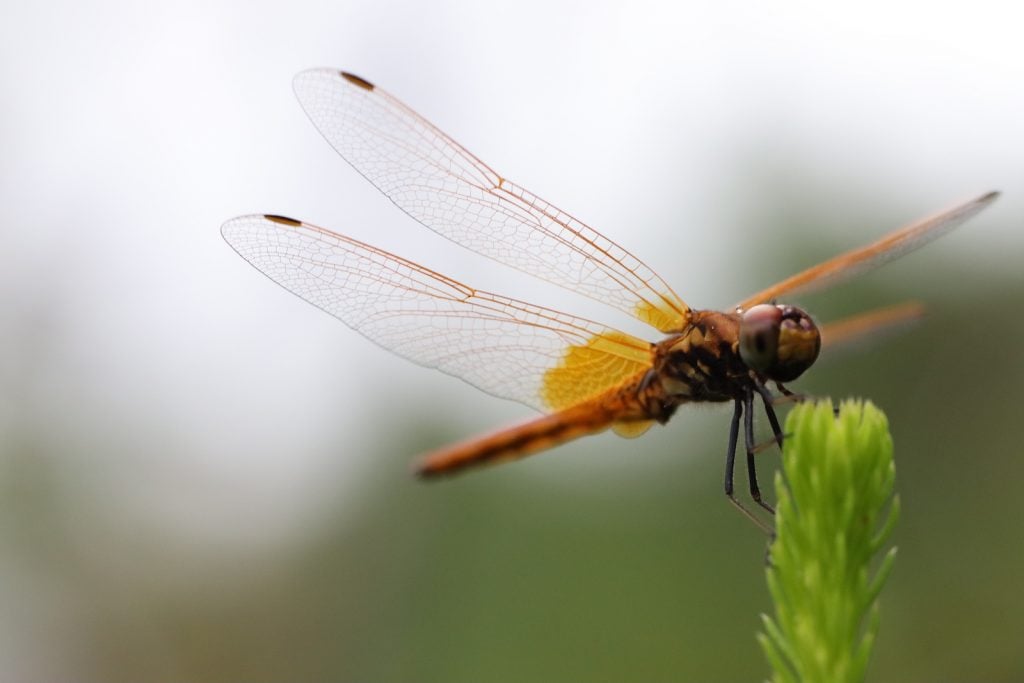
<point x="769" y="410"/>
<point x="787" y="396"/>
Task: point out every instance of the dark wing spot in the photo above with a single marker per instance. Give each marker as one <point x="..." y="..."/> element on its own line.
<point x="357" y="81"/>
<point x="283" y="220"/>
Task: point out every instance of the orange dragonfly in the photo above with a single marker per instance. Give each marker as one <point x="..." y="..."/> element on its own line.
<point x="585" y="376"/>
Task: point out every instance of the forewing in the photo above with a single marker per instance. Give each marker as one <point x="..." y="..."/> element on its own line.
<point x="538" y="356"/>
<point x="443" y="186"/>
<point x="877" y="253"/>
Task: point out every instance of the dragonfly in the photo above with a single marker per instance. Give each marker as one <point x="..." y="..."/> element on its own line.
<point x="584" y="376"/>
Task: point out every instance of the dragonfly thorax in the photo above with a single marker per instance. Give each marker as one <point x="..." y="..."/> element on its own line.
<point x="703" y="363"/>
<point x="719" y="355"/>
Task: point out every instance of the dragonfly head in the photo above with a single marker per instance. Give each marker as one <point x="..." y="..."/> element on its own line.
<point x="779" y="342"/>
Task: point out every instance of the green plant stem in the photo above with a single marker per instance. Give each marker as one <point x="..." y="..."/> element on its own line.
<point x="832" y="518"/>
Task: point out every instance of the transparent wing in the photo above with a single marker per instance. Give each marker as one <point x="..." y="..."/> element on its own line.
<point x="869" y="324"/>
<point x="877" y="253"/>
<point x="541" y="357"/>
<point x="443" y="186"/>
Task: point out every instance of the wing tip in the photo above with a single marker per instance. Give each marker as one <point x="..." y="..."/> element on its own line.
<point x="988" y="197"/>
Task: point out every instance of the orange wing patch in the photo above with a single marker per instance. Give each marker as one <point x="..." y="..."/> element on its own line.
<point x="671" y="316"/>
<point x="606" y="361"/>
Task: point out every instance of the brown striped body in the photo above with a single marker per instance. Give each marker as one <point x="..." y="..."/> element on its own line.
<point x="536" y="435"/>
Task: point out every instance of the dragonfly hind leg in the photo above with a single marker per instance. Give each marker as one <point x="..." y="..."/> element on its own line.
<point x="730" y="462"/>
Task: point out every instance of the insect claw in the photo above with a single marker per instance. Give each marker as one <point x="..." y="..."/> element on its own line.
<point x="770" y="443"/>
<point x="788" y="396"/>
<point x="757" y="499"/>
<point x="759" y="523"/>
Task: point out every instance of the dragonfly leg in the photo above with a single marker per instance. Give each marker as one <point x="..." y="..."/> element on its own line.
<point x="730" y="461"/>
<point x="748" y="428"/>
<point x="730" y="454"/>
<point x="787" y="395"/>
<point x="773" y="419"/>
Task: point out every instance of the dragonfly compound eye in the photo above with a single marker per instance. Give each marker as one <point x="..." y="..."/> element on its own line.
<point x="759" y="336"/>
<point x="780" y="342"/>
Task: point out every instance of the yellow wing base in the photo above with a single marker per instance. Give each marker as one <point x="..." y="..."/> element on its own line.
<point x="606" y="361"/>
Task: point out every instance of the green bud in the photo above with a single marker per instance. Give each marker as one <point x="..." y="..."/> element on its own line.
<point x="833" y="517"/>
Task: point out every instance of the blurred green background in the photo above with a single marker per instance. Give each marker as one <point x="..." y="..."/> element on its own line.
<point x="204" y="479"/>
<point x="624" y="561"/>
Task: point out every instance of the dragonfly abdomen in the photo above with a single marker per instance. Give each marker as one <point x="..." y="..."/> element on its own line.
<point x="530" y="437"/>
